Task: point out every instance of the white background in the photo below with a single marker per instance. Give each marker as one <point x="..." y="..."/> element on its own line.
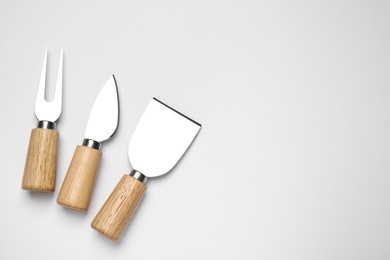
<point x="292" y="161"/>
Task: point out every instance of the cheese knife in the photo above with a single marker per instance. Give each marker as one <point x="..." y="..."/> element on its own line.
<point x="76" y="190"/>
<point x="161" y="138"/>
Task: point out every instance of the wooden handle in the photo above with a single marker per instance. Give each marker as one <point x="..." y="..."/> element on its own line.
<point x="117" y="211"/>
<point x="80" y="179"/>
<point x="41" y="162"/>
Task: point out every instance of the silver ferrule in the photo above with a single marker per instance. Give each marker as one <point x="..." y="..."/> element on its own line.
<point x="138" y="176"/>
<point x="92" y="144"/>
<point x="46" y="125"/>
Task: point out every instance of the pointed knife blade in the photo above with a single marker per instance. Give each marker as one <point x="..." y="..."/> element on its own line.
<point x="104" y="117"/>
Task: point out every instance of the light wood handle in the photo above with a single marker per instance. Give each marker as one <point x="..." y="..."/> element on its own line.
<point x="117" y="211"/>
<point x="41" y="162"/>
<point x="76" y="190"/>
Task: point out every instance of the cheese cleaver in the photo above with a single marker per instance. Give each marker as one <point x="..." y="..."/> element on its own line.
<point x="161" y="138"/>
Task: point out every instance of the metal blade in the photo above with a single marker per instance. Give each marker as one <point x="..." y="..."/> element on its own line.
<point x="104" y="117"/>
<point x="160" y="139"/>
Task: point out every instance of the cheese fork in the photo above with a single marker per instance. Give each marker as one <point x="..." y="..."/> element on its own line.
<point x="41" y="162"/>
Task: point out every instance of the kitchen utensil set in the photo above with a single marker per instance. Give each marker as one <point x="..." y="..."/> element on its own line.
<point x="159" y="141"/>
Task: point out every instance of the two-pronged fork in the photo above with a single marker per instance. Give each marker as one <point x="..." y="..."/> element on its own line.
<point x="41" y="162"/>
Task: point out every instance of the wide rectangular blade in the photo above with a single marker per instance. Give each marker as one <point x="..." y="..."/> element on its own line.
<point x="161" y="138"/>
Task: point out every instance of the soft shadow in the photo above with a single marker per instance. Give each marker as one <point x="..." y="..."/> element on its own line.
<point x="73" y="212"/>
<point x="36" y="195"/>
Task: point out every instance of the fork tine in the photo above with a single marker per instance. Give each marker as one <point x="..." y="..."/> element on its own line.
<point x="58" y="92"/>
<point x="42" y="81"/>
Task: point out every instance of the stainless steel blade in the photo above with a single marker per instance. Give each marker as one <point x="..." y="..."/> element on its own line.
<point x="104" y="117"/>
<point x="160" y="139"/>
